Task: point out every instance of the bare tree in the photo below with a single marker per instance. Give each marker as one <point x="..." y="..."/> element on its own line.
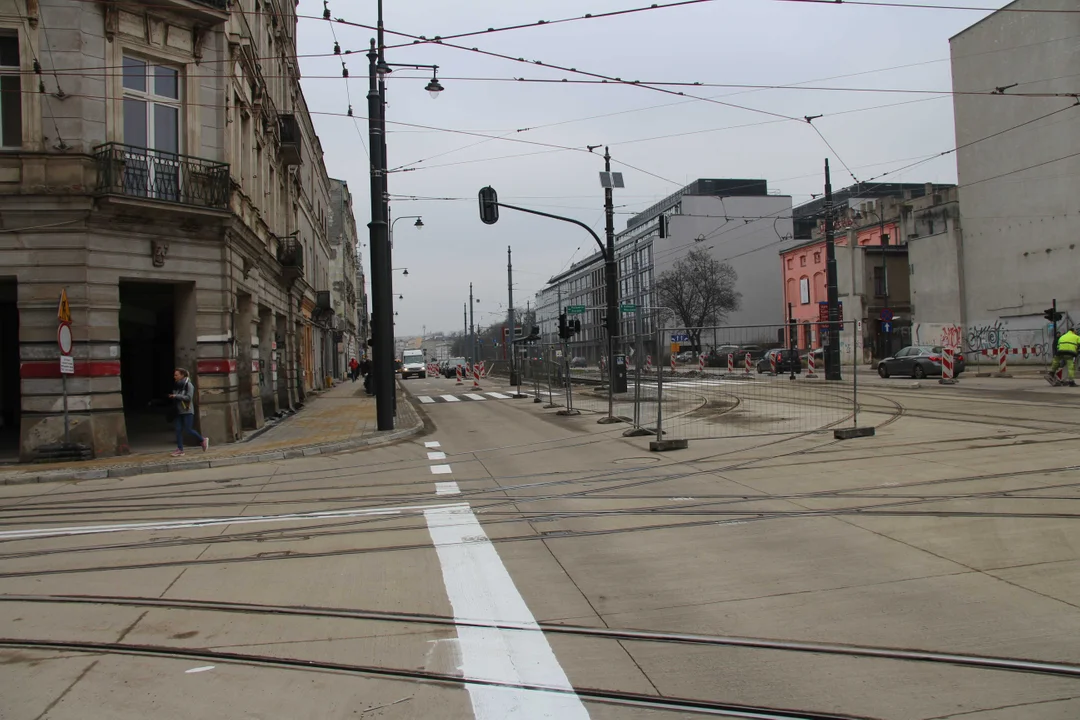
<point x="700" y="290"/>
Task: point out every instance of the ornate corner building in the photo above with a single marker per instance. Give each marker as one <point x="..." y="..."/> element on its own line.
<point x="158" y="162"/>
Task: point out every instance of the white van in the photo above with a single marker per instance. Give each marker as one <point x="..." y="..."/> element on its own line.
<point x="412" y="363"/>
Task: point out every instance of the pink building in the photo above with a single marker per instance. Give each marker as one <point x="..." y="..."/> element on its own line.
<point x="804" y="274"/>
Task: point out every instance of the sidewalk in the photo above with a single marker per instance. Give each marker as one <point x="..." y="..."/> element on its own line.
<point x="339" y="419"/>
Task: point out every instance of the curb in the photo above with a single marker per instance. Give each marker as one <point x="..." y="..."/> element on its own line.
<point x="180" y="466"/>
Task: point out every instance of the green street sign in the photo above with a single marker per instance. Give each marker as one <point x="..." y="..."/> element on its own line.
<point x="626" y="307"/>
<point x="576" y="309"/>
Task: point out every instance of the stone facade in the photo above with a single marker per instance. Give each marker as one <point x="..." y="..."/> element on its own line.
<point x="170" y="180"/>
<point x="344" y="270"/>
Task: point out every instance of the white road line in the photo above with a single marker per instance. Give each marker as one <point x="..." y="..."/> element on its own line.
<point x="425" y="399"/>
<point x="436" y="455"/>
<point x="479" y="586"/>
<point x="474" y="396"/>
<point x="451" y="398"/>
<point x="204" y="668"/>
<point x="440" y="470"/>
<point x="208" y="522"/>
<point x="447" y="488"/>
<point x="432" y="444"/>
<point x="499" y="396"/>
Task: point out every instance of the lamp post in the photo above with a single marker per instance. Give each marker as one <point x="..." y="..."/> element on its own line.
<point x="419" y="224"/>
<point x="382" y="337"/>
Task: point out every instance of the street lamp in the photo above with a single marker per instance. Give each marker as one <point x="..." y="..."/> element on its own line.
<point x="382" y="296"/>
<point x="419" y="224"/>
<point x="404" y="271"/>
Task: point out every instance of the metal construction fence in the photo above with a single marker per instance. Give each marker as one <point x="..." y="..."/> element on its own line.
<point x="756" y="380"/>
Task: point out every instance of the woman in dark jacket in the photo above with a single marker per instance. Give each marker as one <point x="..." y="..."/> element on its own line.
<point x="183" y="396"/>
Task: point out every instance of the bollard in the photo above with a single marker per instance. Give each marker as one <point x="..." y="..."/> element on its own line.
<point x="1003" y="362"/>
<point x="672" y="362"/>
<point x="648" y="363"/>
<point x="772" y="364"/>
<point x="747" y="363"/>
<point x="731" y="363"/>
<point x="947" y="377"/>
<point x="810" y="364"/>
<point x="476" y="377"/>
<point x="701" y="363"/>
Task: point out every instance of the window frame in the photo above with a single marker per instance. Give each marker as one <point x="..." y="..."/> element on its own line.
<point x="14" y="71"/>
<point x="151" y="98"/>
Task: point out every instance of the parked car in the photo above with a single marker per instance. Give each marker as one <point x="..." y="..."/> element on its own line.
<point x="918" y="361"/>
<point x="685" y="356"/>
<point x="717" y="357"/>
<point x="787" y="361"/>
<point x="756" y="352"/>
<point x="578" y="362"/>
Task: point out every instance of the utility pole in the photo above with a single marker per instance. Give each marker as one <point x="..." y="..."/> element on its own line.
<point x="472" y="326"/>
<point x="510" y="300"/>
<point x="886" y="338"/>
<point x="382" y="336"/>
<point x="465" y="329"/>
<point x="832" y="356"/>
<point x="612" y="282"/>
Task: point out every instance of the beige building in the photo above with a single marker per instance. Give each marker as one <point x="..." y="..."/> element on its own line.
<point x="163" y="170"/>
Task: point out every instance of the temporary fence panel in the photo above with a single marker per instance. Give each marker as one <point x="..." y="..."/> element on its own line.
<point x="754" y="384"/>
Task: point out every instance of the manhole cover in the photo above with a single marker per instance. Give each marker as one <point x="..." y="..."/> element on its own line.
<point x="636" y="460"/>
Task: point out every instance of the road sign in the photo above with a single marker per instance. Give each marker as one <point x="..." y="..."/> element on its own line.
<point x="674" y="348"/>
<point x="680" y="337"/>
<point x="63" y="312"/>
<point x="886" y="315"/>
<point x="886" y="327"/>
<point x="63" y="338"/>
<point x="67" y="365"/>
<point x="823" y="312"/>
<point x="859" y="324"/>
<point x="576" y="309"/>
<point x="626" y="307"/>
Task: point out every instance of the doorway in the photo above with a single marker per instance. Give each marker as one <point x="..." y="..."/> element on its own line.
<point x="10" y="386"/>
<point x="147" y="360"/>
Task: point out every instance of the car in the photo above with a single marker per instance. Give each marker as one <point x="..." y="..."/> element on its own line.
<point x="413" y="363"/>
<point x="685" y="356"/>
<point x="756" y="352"/>
<point x="451" y="366"/>
<point x="578" y="362"/>
<point x="918" y="361"/>
<point x="787" y="361"/>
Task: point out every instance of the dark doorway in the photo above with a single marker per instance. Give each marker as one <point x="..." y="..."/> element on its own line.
<point x="10" y="395"/>
<point x="147" y="360"/>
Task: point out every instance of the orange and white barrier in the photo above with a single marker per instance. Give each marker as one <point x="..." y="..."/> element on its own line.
<point x="648" y="363"/>
<point x="948" y="376"/>
<point x="701" y="362"/>
<point x="772" y="364"/>
<point x="672" y="362"/>
<point x="810" y="364"/>
<point x="731" y="363"/>
<point x="476" y="376"/>
<point x="747" y="363"/>
<point x="457" y="368"/>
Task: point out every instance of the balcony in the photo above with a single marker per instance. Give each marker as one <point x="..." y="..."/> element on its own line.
<point x="289" y="130"/>
<point x="136" y="172"/>
<point x="204" y="10"/>
<point x="290" y="255"/>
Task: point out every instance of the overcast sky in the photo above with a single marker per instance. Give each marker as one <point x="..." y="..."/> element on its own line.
<point x="669" y="140"/>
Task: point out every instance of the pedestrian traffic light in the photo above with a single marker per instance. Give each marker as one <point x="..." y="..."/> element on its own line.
<point x="564" y="331"/>
<point x="489" y="206"/>
<point x="1053" y="315"/>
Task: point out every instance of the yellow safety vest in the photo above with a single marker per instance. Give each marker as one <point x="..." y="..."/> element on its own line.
<point x="1068" y="343"/>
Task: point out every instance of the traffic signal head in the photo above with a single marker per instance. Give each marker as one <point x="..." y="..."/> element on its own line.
<point x="489" y="206"/>
<point x="577" y="327"/>
<point x="1052" y="315"/>
<point x="564" y="331"/>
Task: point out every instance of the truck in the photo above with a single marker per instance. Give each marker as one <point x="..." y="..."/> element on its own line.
<point x="412" y="363"/>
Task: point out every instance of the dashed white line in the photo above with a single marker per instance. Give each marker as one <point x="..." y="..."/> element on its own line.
<point x="447" y="488"/>
<point x="474" y="396"/>
<point x="499" y="396"/>
<point x="451" y="398"/>
<point x="436" y="455"/>
<point x="432" y="444"/>
<point x="440" y="470"/>
<point x="425" y="399"/>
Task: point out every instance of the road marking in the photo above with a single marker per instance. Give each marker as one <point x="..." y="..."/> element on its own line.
<point x="204" y="668"/>
<point x="440" y="470"/>
<point x="432" y="444"/>
<point x="479" y="586"/>
<point x="474" y="396"/>
<point x="500" y="396"/>
<point x="425" y="399"/>
<point x="451" y="398"/>
<point x="436" y="455"/>
<point x="447" y="488"/>
<point x="210" y="522"/>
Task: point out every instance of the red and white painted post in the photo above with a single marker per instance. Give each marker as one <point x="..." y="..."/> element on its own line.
<point x="772" y="363"/>
<point x="648" y="363"/>
<point x="948" y="377"/>
<point x="672" y="362"/>
<point x="810" y="364"/>
<point x="701" y="362"/>
<point x="476" y="376"/>
<point x="1003" y="362"/>
<point x="747" y="363"/>
<point x="731" y="363"/>
<point x="457" y="369"/>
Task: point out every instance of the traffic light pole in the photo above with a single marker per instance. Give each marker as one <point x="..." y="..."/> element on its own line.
<point x="382" y="333"/>
<point x="611" y="278"/>
<point x="832" y="357"/>
<point x="511" y="335"/>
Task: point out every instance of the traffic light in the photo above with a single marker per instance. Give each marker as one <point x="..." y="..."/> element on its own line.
<point x="1052" y="315"/>
<point x="489" y="206"/>
<point x="564" y="331"/>
<point x="575" y="328"/>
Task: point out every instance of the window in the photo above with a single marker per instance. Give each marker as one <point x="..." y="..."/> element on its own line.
<point x="10" y="92"/>
<point x="817" y="257"/>
<point x="804" y="290"/>
<point x="879" y="281"/>
<point x="802" y="261"/>
<point x="151" y="129"/>
<point x="790" y="263"/>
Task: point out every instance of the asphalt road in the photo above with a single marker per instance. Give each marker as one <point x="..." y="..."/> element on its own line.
<point x="505" y="564"/>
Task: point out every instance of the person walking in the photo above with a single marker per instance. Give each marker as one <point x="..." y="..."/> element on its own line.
<point x="1065" y="353"/>
<point x="369" y="379"/>
<point x="183" y="395"/>
<point x="354" y="369"/>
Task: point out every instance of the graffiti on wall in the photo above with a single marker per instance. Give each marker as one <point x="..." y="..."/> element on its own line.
<point x="1028" y="336"/>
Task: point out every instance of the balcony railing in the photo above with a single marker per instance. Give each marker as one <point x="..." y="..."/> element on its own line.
<point x="156" y="175"/>
<point x="291" y="253"/>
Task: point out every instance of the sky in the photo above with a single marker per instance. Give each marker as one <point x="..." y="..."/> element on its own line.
<point x="528" y="139"/>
